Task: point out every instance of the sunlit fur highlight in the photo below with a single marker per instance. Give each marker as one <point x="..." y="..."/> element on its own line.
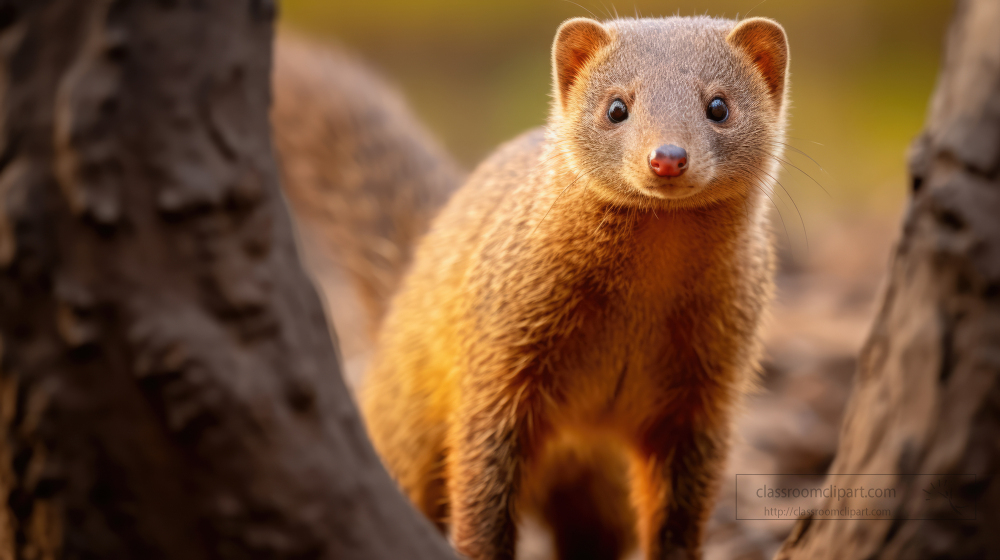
<point x="568" y="301"/>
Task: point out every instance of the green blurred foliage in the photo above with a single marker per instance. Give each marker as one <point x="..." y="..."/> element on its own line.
<point x="477" y="73"/>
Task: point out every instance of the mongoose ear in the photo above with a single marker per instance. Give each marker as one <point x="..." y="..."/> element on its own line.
<point x="764" y="41"/>
<point x="577" y="40"/>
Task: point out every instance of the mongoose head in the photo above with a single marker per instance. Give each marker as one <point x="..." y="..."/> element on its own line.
<point x="674" y="112"/>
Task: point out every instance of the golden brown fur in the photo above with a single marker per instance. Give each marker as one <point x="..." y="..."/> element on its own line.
<point x="362" y="174"/>
<point x="567" y="297"/>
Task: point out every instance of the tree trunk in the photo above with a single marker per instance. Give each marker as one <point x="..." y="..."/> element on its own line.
<point x="168" y="387"/>
<point x="926" y="399"/>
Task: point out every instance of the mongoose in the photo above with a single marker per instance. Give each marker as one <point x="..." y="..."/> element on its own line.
<point x="600" y="280"/>
<point x="363" y="175"/>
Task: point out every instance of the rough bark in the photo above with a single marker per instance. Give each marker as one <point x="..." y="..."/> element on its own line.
<point x="927" y="391"/>
<point x="168" y="386"/>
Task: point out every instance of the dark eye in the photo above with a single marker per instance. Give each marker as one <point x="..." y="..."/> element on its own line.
<point x="617" y="112"/>
<point x="717" y="110"/>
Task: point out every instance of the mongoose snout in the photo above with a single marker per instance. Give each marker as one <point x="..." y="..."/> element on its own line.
<point x="668" y="160"/>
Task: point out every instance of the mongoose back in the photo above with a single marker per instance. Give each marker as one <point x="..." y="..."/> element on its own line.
<point x="598" y="282"/>
<point x="363" y="176"/>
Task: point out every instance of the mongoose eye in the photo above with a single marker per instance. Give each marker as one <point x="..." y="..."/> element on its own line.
<point x="717" y="110"/>
<point x="617" y="112"/>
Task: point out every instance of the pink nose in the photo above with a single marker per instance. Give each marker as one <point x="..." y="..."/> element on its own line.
<point x="668" y="160"/>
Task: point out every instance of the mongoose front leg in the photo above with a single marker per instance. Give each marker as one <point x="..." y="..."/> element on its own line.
<point x="676" y="480"/>
<point x="484" y="470"/>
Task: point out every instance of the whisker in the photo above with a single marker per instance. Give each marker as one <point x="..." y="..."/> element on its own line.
<point x="798" y="151"/>
<point x="797" y="168"/>
<point x="785" y="163"/>
<point x="546" y="215"/>
<point x="601" y="223"/>
<point x="805" y="140"/>
<point x="606" y="10"/>
<point x="751" y="9"/>
<point x="546" y="161"/>
<point x="801" y="219"/>
<point x="780" y="217"/>
<point x="756" y="171"/>
<point x="583" y="8"/>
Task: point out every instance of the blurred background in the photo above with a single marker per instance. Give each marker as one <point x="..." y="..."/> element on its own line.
<point x="477" y="73"/>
